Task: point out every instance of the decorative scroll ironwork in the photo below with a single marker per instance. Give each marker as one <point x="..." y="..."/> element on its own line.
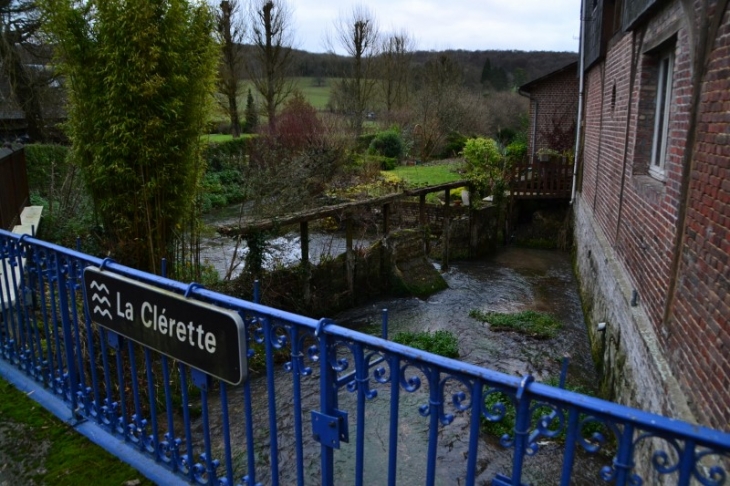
<point x="94" y="371"/>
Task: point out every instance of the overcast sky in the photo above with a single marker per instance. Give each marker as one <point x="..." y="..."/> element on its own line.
<point x="528" y="25"/>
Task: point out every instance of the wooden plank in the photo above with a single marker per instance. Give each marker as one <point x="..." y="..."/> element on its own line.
<point x="30" y="218"/>
<point x="31" y="215"/>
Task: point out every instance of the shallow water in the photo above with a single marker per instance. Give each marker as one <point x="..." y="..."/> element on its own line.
<point x="511" y="280"/>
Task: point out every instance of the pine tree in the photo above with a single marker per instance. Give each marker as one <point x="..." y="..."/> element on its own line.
<point x="251" y="114"/>
<point x="486" y="71"/>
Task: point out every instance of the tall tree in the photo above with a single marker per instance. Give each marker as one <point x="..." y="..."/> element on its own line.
<point x="494" y="77"/>
<point x="357" y="33"/>
<point x="395" y="63"/>
<point x="231" y="36"/>
<point x="20" y="47"/>
<point x="439" y="104"/>
<point x="140" y="75"/>
<point x="270" y="67"/>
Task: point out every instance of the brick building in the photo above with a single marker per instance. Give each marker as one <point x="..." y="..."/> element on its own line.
<point x="652" y="208"/>
<point x="553" y="110"/>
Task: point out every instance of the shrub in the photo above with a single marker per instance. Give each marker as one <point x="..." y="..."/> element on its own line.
<point x="385" y="163"/>
<point x="454" y="145"/>
<point x="45" y="164"/>
<point x="223" y="183"/>
<point x="536" y="324"/>
<point x="298" y="127"/>
<point x="485" y="166"/>
<point x="364" y="141"/>
<point x="440" y="342"/>
<point x="220" y="154"/>
<point x="516" y="151"/>
<point x="56" y="184"/>
<point x="387" y="144"/>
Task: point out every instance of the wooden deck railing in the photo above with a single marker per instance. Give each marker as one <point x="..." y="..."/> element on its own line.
<point x="533" y="179"/>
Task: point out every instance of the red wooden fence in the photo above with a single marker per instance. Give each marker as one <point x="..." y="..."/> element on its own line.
<point x="535" y="179"/>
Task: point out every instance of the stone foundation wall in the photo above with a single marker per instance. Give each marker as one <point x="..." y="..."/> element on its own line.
<point x="632" y="368"/>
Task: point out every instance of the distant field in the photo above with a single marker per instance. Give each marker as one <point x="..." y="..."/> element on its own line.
<point x="430" y="174"/>
<point x="317" y="96"/>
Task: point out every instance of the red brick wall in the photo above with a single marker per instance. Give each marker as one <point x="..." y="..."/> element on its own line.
<point x="698" y="330"/>
<point x="557" y="102"/>
<point x="648" y="230"/>
<point x="593" y="112"/>
<point x="639" y="214"/>
<point x="616" y="73"/>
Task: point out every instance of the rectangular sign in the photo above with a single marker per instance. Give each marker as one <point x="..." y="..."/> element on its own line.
<point x="201" y="335"/>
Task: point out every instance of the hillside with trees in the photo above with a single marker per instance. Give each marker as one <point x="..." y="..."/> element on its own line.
<point x="519" y="66"/>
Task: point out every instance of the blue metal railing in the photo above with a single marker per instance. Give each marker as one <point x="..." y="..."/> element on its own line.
<point x="326" y="405"/>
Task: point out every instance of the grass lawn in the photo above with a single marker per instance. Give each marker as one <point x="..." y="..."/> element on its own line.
<point x="222" y="137"/>
<point x="430" y="174"/>
<point x="317" y="96"/>
<point x="38" y="448"/>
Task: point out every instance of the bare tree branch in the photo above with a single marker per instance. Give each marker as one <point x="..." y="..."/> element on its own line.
<point x="231" y="32"/>
<point x="272" y="37"/>
<point x="357" y="33"/>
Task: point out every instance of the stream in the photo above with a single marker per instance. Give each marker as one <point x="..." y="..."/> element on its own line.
<point x="511" y="280"/>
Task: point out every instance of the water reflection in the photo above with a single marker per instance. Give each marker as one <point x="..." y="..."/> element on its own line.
<point x="226" y="254"/>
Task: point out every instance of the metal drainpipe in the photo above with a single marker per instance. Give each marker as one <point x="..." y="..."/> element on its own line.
<point x="534" y="123"/>
<point x="581" y="82"/>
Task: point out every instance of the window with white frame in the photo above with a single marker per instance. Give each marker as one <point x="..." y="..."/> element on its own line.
<point x="661" y="114"/>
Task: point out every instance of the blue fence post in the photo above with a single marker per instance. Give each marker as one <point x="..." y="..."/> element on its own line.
<point x="327" y="399"/>
<point x="208" y="470"/>
<point x="61" y="271"/>
<point x="522" y="429"/>
<point x="623" y="462"/>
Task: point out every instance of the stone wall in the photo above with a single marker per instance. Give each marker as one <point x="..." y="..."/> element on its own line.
<point x="633" y="367"/>
<point x="469" y="238"/>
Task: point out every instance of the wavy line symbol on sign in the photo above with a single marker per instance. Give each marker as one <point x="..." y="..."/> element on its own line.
<point x="103" y="312"/>
<point x="101" y="300"/>
<point x="98" y="286"/>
